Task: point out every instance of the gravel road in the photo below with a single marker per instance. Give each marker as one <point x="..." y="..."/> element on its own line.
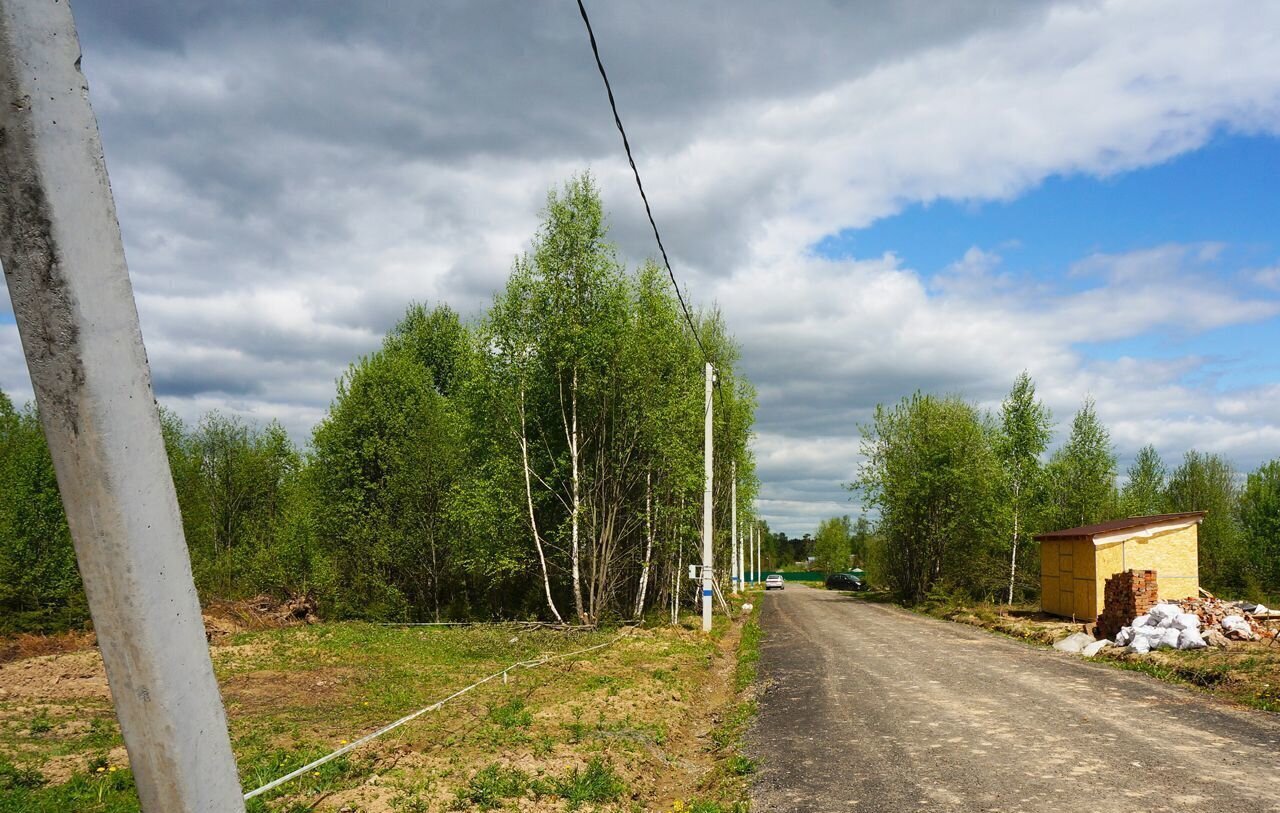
<point x="872" y="708"/>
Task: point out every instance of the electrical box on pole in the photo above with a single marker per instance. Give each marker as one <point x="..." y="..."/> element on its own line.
<point x="73" y="303"/>
<point x="708" y="462"/>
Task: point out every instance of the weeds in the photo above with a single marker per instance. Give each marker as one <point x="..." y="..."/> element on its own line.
<point x="597" y="783"/>
<point x="511" y="714"/>
<point x="12" y="777"/>
<point x="491" y="787"/>
<point x="40" y="723"/>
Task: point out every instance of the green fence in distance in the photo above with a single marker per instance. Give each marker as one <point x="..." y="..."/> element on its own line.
<point x="808" y="575"/>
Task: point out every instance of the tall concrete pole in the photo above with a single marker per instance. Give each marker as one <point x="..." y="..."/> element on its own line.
<point x="759" y="542"/>
<point x="708" y="462"/>
<point x="735" y="557"/>
<point x="65" y="267"/>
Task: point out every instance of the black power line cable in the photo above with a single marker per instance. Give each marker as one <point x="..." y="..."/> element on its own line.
<point x="626" y="145"/>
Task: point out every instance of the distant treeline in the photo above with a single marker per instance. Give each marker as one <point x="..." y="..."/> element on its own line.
<point x="959" y="495"/>
<point x="545" y="461"/>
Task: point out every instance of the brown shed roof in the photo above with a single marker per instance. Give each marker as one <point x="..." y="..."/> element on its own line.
<point x="1090" y="531"/>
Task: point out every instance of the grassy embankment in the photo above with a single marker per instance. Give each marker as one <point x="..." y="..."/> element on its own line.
<point x="1247" y="673"/>
<point x="653" y="722"/>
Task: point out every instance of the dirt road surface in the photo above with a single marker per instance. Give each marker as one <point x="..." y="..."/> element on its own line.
<point x="872" y="708"/>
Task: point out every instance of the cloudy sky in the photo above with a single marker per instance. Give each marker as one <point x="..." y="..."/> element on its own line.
<point x="881" y="196"/>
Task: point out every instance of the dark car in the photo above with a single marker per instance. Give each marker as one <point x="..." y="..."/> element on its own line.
<point x="845" y="581"/>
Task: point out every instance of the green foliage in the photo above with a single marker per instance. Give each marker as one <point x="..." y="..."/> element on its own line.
<point x="491" y="786"/>
<point x="13" y="778"/>
<point x="598" y="782"/>
<point x="1082" y="474"/>
<point x="1207" y="482"/>
<point x="236" y="484"/>
<point x="40" y="722"/>
<point x="39" y="584"/>
<point x="386" y="460"/>
<point x="1143" y="494"/>
<point x="1259" y="513"/>
<point x="1020" y="442"/>
<point x="511" y="714"/>
<point x="548" y="457"/>
<point x="933" y="473"/>
<point x="832" y="544"/>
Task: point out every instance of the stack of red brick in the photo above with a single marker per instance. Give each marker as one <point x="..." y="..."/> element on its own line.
<point x="1125" y="596"/>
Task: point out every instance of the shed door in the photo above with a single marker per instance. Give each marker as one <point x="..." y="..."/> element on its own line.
<point x="1066" y="581"/>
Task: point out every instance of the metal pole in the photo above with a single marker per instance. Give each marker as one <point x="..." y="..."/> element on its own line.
<point x="735" y="560"/>
<point x="707" y="470"/>
<point x="65" y="267"/>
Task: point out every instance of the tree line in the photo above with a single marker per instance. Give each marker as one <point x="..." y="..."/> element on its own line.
<point x="544" y="460"/>
<point x="958" y="494"/>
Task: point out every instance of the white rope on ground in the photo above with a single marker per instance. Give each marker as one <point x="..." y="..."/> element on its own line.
<point x="529" y="664"/>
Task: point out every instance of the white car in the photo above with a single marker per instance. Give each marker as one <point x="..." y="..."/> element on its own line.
<point x="774" y="582"/>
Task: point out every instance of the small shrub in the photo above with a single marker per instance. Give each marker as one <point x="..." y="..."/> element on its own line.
<point x="741" y="766"/>
<point x="13" y="778"/>
<point x="491" y="786"/>
<point x="40" y="723"/>
<point x="511" y="714"/>
<point x="598" y="783"/>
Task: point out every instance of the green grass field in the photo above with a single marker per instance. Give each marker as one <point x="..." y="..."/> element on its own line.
<point x="628" y="727"/>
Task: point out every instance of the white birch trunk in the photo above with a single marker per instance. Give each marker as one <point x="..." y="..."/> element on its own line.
<point x="648" y="549"/>
<point x="533" y="520"/>
<point x="577" y="501"/>
<point x="1013" y="557"/>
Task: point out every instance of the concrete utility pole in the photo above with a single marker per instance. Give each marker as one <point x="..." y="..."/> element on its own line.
<point x="707" y="469"/>
<point x="759" y="542"/>
<point x="65" y="266"/>
<point x="735" y="559"/>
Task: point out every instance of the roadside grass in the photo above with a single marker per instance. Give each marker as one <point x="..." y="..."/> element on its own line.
<point x="727" y="786"/>
<point x="601" y="732"/>
<point x="1247" y="673"/>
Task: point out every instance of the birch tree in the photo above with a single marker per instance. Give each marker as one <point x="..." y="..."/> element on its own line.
<point x="1023" y="438"/>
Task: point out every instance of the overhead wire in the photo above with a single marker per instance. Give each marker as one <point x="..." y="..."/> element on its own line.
<point x="657" y="236"/>
<point x="626" y="145"/>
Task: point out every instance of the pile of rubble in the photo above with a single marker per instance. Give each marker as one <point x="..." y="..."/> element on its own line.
<point x="1166" y="626"/>
<point x="1191" y="624"/>
<point x="1236" y="619"/>
<point x="223" y="618"/>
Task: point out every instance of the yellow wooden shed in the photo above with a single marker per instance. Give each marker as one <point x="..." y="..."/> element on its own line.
<point x="1076" y="562"/>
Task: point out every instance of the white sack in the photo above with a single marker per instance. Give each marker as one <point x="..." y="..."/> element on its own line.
<point x="1170" y="639"/>
<point x="1140" y="644"/>
<point x="1234" y="623"/>
<point x="1124" y="636"/>
<point x="1142" y="620"/>
<point x="1165" y="612"/>
<point x="1095" y="647"/>
<point x="1074" y="642"/>
<point x="1187" y="621"/>
<point x="1190" y="639"/>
